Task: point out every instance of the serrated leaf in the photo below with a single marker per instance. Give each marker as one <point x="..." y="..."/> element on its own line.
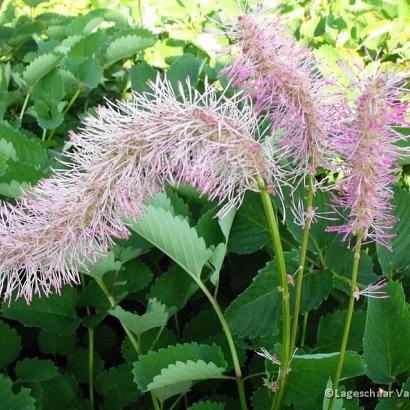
<point x="386" y="335"/>
<point x="310" y="373"/>
<point x="104" y="265"/>
<point x="50" y="89"/>
<point x="27" y="151"/>
<point x="10" y="345"/>
<point x="10" y="400"/>
<point x="53" y="344"/>
<point x="38" y="370"/>
<point x="173" y="288"/>
<point x="65" y="388"/>
<point x="398" y="260"/>
<point x="141" y="74"/>
<point x="187" y="372"/>
<point x="207" y="405"/>
<point x="83" y="48"/>
<point x="249" y="230"/>
<point x="125" y="47"/>
<point x="77" y="364"/>
<point x="155" y="316"/>
<point x="90" y="73"/>
<point x="316" y="288"/>
<point x="55" y="313"/>
<point x="47" y="116"/>
<point x="331" y="327"/>
<point x="260" y="300"/>
<point x="184" y="68"/>
<point x="39" y="68"/>
<point x="173" y="236"/>
<point x="189" y="361"/>
<point x="116" y="386"/>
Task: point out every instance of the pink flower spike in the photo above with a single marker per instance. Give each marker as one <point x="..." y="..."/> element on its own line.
<point x="281" y="75"/>
<point x="369" y="146"/>
<point x="372" y="291"/>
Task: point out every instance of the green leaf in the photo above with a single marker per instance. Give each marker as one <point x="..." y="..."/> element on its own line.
<point x="50" y="89"/>
<point x="104" y="265"/>
<point x="310" y="373"/>
<point x="10" y="345"/>
<point x="386" y="335"/>
<point x="155" y="316"/>
<point x="173" y="288"/>
<point x="316" y="288"/>
<point x="51" y="343"/>
<point x="262" y="399"/>
<point x="260" y="300"/>
<point x="87" y="47"/>
<point x="90" y="73"/>
<point x="331" y="327"/>
<point x="173" y="236"/>
<point x="249" y="230"/>
<point x="184" y="68"/>
<point x="207" y="405"/>
<point x="116" y="385"/>
<point x="185" y="372"/>
<point x="39" y="68"/>
<point x="10" y="400"/>
<point x="55" y="313"/>
<point x="169" y="371"/>
<point x="398" y="260"/>
<point x="141" y="73"/>
<point x="127" y="46"/>
<point x="60" y="393"/>
<point x="27" y="151"/>
<point x="38" y="370"/>
<point x="77" y="364"/>
<point x="339" y="259"/>
<point x="48" y="117"/>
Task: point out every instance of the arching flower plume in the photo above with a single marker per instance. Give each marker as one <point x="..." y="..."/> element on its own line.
<point x="121" y="156"/>
<point x="281" y="75"/>
<point x="369" y="147"/>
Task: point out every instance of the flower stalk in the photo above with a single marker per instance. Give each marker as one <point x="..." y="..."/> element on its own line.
<point x="283" y="279"/>
<point x="349" y="315"/>
<point x="302" y="260"/>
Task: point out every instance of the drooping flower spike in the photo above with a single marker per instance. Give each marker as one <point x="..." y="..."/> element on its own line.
<point x="372" y="291"/>
<point x="369" y="148"/>
<point x="123" y="155"/>
<point x="281" y="75"/>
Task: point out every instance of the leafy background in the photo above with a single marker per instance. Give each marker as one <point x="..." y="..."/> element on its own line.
<point x="57" y="62"/>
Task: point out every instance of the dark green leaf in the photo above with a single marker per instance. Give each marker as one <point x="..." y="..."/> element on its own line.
<point x="35" y="369"/>
<point x="55" y="313"/>
<point x="10" y="345"/>
<point x="386" y="335"/>
<point x="10" y="400"/>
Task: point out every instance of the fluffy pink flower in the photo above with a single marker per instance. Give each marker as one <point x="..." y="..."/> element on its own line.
<point x="122" y="156"/>
<point x="280" y="74"/>
<point x="369" y="147"/>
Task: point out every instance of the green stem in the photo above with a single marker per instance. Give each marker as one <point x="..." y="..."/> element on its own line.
<point x="355" y="273"/>
<point x="280" y="263"/>
<point x="302" y="260"/>
<point x="305" y="321"/>
<point x="229" y="338"/>
<point x="67" y="108"/>
<point x="91" y="366"/>
<point x="140" y="13"/>
<point x="72" y="101"/>
<point x="23" y="108"/>
<point x="130" y="336"/>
